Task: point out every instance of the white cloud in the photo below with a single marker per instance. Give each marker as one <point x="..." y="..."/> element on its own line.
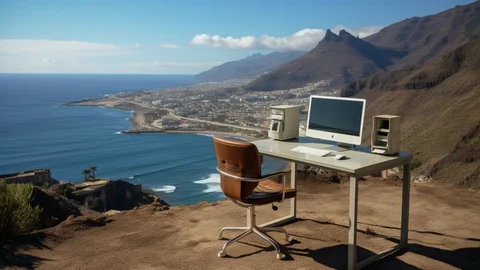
<point x="57" y="47"/>
<point x="43" y="56"/>
<point x="48" y="56"/>
<point x="10" y="63"/>
<point x="304" y="39"/>
<point x="170" y="46"/>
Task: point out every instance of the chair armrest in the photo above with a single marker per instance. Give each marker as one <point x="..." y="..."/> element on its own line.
<point x="261" y="178"/>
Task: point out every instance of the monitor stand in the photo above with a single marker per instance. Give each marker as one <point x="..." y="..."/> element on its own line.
<point x="341" y="147"/>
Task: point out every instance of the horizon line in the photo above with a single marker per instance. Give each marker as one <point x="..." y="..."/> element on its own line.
<point x="31" y="73"/>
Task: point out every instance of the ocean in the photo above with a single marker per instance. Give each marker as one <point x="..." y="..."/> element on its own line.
<point x="37" y="132"/>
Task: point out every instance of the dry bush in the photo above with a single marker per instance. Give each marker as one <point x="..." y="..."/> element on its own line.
<point x="16" y="214"/>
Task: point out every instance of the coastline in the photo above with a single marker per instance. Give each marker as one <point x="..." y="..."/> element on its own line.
<point x="213" y="133"/>
<point x="140" y="125"/>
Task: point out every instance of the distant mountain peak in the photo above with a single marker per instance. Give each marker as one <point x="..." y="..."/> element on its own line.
<point x="329" y="36"/>
<point x="255" y="55"/>
<point x="250" y="66"/>
<point x="338" y="58"/>
<point x="343" y="35"/>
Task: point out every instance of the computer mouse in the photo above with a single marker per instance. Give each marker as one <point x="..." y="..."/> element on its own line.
<point x="339" y="156"/>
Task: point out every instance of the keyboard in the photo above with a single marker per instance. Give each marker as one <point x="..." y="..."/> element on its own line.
<point x="311" y="151"/>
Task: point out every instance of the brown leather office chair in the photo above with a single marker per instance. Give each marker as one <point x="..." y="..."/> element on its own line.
<point x="239" y="165"/>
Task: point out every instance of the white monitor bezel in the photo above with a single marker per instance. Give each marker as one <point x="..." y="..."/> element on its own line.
<point x="332" y="136"/>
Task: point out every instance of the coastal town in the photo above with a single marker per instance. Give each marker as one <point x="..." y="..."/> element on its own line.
<point x="216" y="107"/>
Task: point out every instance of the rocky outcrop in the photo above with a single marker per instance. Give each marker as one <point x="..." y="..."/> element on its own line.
<point x="55" y="208"/>
<point x="117" y="195"/>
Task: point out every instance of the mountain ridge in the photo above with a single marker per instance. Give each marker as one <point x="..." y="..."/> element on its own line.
<point x="339" y="58"/>
<point x="429" y="36"/>
<point x="438" y="102"/>
<point x="398" y="46"/>
<point x="252" y="65"/>
<point x="421" y="76"/>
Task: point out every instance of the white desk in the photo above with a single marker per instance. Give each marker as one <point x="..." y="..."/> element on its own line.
<point x="358" y="164"/>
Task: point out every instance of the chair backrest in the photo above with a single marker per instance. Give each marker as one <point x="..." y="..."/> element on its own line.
<point x="237" y="158"/>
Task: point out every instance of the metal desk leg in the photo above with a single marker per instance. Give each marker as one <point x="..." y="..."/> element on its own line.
<point x="352" y="231"/>
<point x="293" y="184"/>
<point x="404" y="227"/>
<point x="405" y="205"/>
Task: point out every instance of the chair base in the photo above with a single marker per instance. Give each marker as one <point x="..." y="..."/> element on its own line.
<point x="253" y="228"/>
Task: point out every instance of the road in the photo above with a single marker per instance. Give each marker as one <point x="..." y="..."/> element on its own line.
<point x="133" y="102"/>
<point x="170" y="114"/>
<point x="214" y="123"/>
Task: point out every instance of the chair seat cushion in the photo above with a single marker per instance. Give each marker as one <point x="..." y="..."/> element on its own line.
<point x="269" y="191"/>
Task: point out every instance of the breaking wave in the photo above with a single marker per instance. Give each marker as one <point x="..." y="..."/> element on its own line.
<point x="212" y="182"/>
<point x="166" y="189"/>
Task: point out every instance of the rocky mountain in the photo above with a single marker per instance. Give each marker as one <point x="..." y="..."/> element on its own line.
<point x="340" y="58"/>
<point x="426" y="37"/>
<point x="439" y="104"/>
<point x="253" y="65"/>
<point x="421" y="76"/>
<point x="344" y="58"/>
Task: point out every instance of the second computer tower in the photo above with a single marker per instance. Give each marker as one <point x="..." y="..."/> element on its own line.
<point x="285" y="121"/>
<point x="385" y="138"/>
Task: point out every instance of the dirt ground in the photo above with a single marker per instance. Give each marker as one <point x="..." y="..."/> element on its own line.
<point x="444" y="233"/>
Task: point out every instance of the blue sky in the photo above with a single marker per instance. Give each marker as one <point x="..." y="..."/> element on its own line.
<point x="179" y="36"/>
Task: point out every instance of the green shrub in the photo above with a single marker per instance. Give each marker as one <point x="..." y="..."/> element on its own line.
<point x="16" y="214"/>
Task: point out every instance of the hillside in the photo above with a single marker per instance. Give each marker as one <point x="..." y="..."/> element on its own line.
<point x="250" y="66"/>
<point x="344" y="58"/>
<point x="443" y="233"/>
<point x="426" y="37"/>
<point x="440" y="106"/>
<point x="339" y="58"/>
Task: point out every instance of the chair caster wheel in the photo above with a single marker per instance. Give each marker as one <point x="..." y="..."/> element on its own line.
<point x="289" y="238"/>
<point x="222" y="254"/>
<point x="280" y="256"/>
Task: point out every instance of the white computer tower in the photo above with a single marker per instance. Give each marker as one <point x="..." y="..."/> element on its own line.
<point x="385" y="138"/>
<point x="284" y="123"/>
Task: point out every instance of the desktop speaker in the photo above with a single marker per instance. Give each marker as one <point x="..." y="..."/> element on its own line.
<point x="385" y="138"/>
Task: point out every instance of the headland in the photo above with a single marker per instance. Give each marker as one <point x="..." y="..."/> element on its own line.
<point x="222" y="108"/>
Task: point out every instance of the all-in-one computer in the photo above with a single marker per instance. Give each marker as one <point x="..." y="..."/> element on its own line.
<point x="336" y="119"/>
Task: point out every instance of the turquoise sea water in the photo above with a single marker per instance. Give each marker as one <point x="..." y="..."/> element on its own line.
<point x="36" y="132"/>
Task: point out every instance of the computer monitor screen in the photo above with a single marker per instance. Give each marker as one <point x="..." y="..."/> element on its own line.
<point x="336" y="119"/>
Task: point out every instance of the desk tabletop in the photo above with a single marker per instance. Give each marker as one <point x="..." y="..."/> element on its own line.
<point x="359" y="162"/>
